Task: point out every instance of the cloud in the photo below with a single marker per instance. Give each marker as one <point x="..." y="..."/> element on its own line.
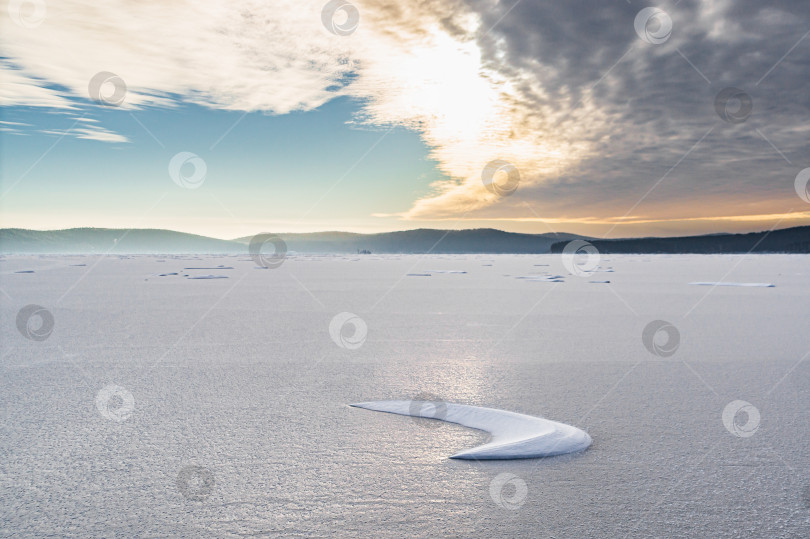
<point x="601" y="124"/>
<point x="89" y="133"/>
<point x="19" y="88"/>
<point x="241" y="56"/>
<point x="655" y="105"/>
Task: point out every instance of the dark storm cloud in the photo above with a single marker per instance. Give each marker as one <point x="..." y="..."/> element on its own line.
<point x="661" y="105"/>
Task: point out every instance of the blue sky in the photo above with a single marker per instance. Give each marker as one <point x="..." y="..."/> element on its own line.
<point x="310" y="170"/>
<point x="612" y="118"/>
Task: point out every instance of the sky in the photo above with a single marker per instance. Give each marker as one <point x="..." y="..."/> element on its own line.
<point x="228" y="118"/>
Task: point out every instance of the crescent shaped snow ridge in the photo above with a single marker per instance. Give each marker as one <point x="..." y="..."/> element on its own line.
<point x="514" y="436"/>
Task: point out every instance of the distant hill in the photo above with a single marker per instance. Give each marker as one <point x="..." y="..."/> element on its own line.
<point x="103" y="240"/>
<point x="786" y="240"/>
<point x="423" y="240"/>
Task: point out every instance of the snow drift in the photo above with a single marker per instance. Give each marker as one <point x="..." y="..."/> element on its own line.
<point x="514" y="436"/>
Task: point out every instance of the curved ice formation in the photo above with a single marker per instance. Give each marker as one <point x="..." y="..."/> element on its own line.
<point x="514" y="436"/>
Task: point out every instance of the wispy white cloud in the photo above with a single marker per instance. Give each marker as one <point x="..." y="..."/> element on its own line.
<point x="99" y="134"/>
<point x="20" y="88"/>
<point x="89" y="133"/>
<point x="243" y="56"/>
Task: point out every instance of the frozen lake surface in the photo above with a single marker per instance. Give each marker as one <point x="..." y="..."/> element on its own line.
<point x="205" y="397"/>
